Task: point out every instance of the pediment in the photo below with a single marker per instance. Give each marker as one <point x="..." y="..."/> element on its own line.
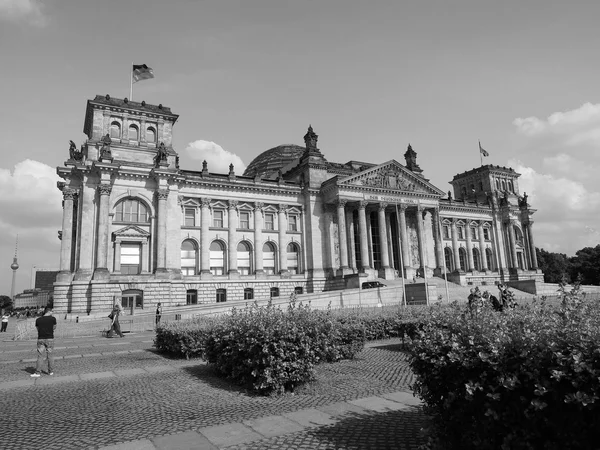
<point x="391" y="176"/>
<point x="131" y="231"/>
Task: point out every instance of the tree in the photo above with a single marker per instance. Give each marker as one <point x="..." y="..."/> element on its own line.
<point x="5" y="302"/>
<point x="556" y="266"/>
<point x="587" y="263"/>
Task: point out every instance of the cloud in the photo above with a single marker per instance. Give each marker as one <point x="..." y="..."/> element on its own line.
<point x="217" y="158"/>
<point x="29" y="11"/>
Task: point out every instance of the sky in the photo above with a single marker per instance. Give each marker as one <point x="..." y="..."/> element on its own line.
<point x="248" y="75"/>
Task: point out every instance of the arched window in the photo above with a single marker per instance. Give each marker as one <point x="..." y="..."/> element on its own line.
<point x="244" y="258"/>
<point x="476" y="259"/>
<point x="497" y="184"/>
<point x="503" y="185"/>
<point x="293" y="263"/>
<point x="191" y="297"/>
<point x="115" y="130"/>
<point x="462" y="254"/>
<point x="217" y="258"/>
<point x="131" y="210"/>
<point x="151" y="135"/>
<point x="134" y="133"/>
<point x="511" y="186"/>
<point x="274" y="292"/>
<point x="448" y="258"/>
<point x="488" y="257"/>
<point x="269" y="253"/>
<point x="248" y="294"/>
<point x="189" y="257"/>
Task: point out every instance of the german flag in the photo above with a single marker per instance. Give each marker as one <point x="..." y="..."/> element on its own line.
<point x="142" y="72"/>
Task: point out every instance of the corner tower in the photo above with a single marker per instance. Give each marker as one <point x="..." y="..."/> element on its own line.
<point x="477" y="184"/>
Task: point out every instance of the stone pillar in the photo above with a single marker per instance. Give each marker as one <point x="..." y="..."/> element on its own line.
<point x="482" y="255"/>
<point x="534" y="263"/>
<point x="205" y="237"/>
<point x="142" y="136"/>
<point x="404" y="237"/>
<point x="499" y="244"/>
<point x="282" y="241"/>
<point x="161" y="234"/>
<point x="86" y="231"/>
<point x="364" y="244"/>
<point x="513" y="244"/>
<point x="420" y="238"/>
<point x="350" y="236"/>
<point x="67" y="230"/>
<point x="258" y="246"/>
<point x="470" y="264"/>
<point x="102" y="252"/>
<point x="231" y="237"/>
<point x="125" y="129"/>
<point x="117" y="255"/>
<point x="455" y="246"/>
<point x="437" y="240"/>
<point x="144" y="257"/>
<point x="342" y="234"/>
<point x="383" y="241"/>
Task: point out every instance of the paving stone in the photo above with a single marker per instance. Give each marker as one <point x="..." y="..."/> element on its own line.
<point x="378" y="404"/>
<point x="127" y="372"/>
<point x="403" y="397"/>
<point x="272" y="426"/>
<point x="142" y="444"/>
<point x="189" y="440"/>
<point x="72" y="356"/>
<point x="311" y="417"/>
<point x="161" y="368"/>
<point x="341" y="408"/>
<point x="7" y="385"/>
<point x="55" y="380"/>
<point x="230" y="434"/>
<point x="92" y="355"/>
<point x="96" y="375"/>
<point x="30" y="360"/>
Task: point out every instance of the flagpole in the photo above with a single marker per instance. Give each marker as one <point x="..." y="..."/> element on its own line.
<point x="480" y="154"/>
<point x="131" y="81"/>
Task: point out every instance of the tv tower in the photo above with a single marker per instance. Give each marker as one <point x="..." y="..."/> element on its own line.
<point x="14" y="266"/>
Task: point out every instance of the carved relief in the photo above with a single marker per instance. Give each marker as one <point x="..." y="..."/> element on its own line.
<point x="205" y="202"/>
<point x="69" y="194"/>
<point x="385" y="178"/>
<point x="162" y="194"/>
<point x="104" y="189"/>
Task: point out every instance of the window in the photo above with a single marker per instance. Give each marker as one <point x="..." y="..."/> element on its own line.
<point x="488" y="257"/>
<point x="269" y="258"/>
<point x="510" y="186"/>
<point x="462" y="254"/>
<point x="292" y="258"/>
<point x="498" y="184"/>
<point x="503" y="185"/>
<point x="473" y="233"/>
<point x="243" y="258"/>
<point x="218" y="218"/>
<point x="293" y="223"/>
<point x="486" y="234"/>
<point x="191" y="297"/>
<point x="461" y="232"/>
<point x="269" y="221"/>
<point x="481" y="186"/>
<point x="221" y="295"/>
<point x="132" y="299"/>
<point x="190" y="217"/>
<point x="476" y="259"/>
<point x="298" y="290"/>
<point x="446" y="229"/>
<point x="131" y="210"/>
<point x="133" y="133"/>
<point x="248" y="294"/>
<point x="217" y="258"/>
<point x="151" y="135"/>
<point x="448" y="259"/>
<point x="274" y="292"/>
<point x="115" y="130"/>
<point x="130" y="259"/>
<point x="188" y="257"/>
<point x="245" y="220"/>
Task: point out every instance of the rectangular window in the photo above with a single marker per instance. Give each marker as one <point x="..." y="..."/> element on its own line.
<point x="269" y="221"/>
<point x="245" y="220"/>
<point x="218" y="219"/>
<point x="293" y="223"/>
<point x="192" y="297"/>
<point x="190" y="217"/>
<point x="221" y="295"/>
<point x="130" y="259"/>
<point x="461" y="232"/>
<point x="486" y="234"/>
<point x="446" y="232"/>
<point x="248" y="294"/>
<point x="473" y="233"/>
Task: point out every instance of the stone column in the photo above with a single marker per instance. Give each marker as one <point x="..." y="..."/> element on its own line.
<point x="66" y="241"/>
<point x="437" y="240"/>
<point x="258" y="246"/>
<point x="482" y="255"/>
<point x="86" y="230"/>
<point x="282" y="241"/>
<point x="101" y="255"/>
<point x="404" y="237"/>
<point x="144" y="256"/>
<point x="534" y="263"/>
<point x="513" y="245"/>
<point x="342" y="234"/>
<point x="142" y="136"/>
<point x="364" y="244"/>
<point x="350" y="236"/>
<point x="455" y="246"/>
<point x="420" y="238"/>
<point x="161" y="234"/>
<point x="205" y="236"/>
<point x="470" y="264"/>
<point x="117" y="255"/>
<point x="125" y="129"/>
<point x="383" y="241"/>
<point x="231" y="237"/>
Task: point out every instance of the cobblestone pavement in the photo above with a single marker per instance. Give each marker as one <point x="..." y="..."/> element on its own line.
<point x="184" y="395"/>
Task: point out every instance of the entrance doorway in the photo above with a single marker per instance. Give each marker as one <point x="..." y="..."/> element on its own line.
<point x="131" y="300"/>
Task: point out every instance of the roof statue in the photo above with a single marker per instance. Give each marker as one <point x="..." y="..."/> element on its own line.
<point x="161" y="155"/>
<point x="310" y="138"/>
<point x="74" y="154"/>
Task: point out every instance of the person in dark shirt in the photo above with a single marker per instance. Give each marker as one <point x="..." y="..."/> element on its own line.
<point x="45" y="343"/>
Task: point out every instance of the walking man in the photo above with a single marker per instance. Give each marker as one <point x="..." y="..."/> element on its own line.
<point x="45" y="343"/>
<point x="158" y="313"/>
<point x="4" y="322"/>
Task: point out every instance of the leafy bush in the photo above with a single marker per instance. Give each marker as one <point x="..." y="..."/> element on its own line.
<point x="526" y="378"/>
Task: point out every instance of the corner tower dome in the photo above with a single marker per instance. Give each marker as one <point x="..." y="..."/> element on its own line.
<point x="268" y="163"/>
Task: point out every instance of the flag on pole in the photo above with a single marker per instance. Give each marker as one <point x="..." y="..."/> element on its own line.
<point x="141" y="72"/>
<point x="482" y="150"/>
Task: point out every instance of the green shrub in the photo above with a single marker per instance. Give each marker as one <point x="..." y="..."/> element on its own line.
<point x="526" y="378"/>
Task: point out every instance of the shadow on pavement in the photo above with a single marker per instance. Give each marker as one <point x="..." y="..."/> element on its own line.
<point x="207" y="375"/>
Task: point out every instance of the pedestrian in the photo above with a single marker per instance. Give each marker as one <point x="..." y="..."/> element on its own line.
<point x="45" y="343"/>
<point x="115" y="325"/>
<point x="4" y="322"/>
<point x="158" y="313"/>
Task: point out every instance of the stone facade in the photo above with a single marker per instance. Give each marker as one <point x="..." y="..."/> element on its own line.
<point x="137" y="227"/>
